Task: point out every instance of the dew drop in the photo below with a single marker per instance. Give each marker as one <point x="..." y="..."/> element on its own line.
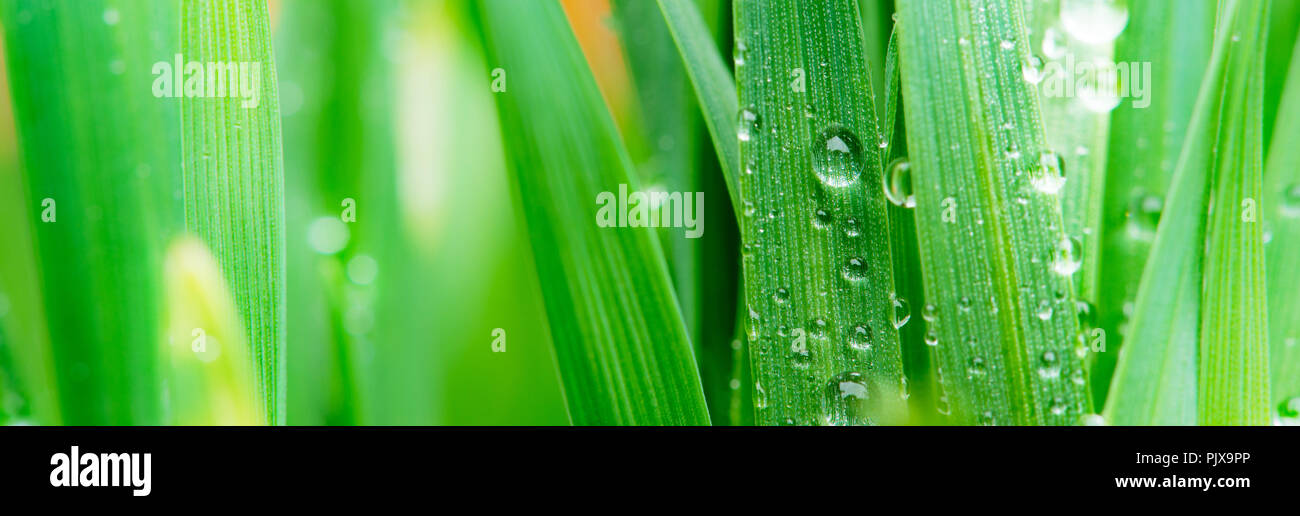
<point x="1049" y="369"/>
<point x="932" y="337"/>
<point x="855" y="269"/>
<point x="1007" y="44"/>
<point x="781" y="296"/>
<point x="1092" y="420"/>
<point x="964" y="304"/>
<point x="1044" y="310"/>
<point x="1068" y="256"/>
<point x="976" y="367"/>
<point x="1094" y="21"/>
<point x="898" y="184"/>
<point x="1032" y="69"/>
<point x="1049" y="175"/>
<point x="821" y="219"/>
<point x="1087" y="314"/>
<point x="851" y="228"/>
<point x="837" y="157"/>
<point x="1144" y="215"/>
<point x="749" y="123"/>
<point x="902" y="313"/>
<point x="328" y="235"/>
<point x="846" y="401"/>
<point x="860" y="338"/>
<point x="930" y="312"/>
<point x="1054" y="44"/>
<point x="1291" y="201"/>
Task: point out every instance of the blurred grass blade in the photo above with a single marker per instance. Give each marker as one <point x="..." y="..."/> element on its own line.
<point x="1156" y="379"/>
<point x="1234" y="371"/>
<point x="79" y="79"/>
<point x="681" y="160"/>
<point x="1282" y="221"/>
<point x="1003" y="320"/>
<point x="918" y="356"/>
<point x="208" y="379"/>
<point x="623" y="353"/>
<point x="818" y="272"/>
<point x="1142" y="152"/>
<point x="713" y="86"/>
<point x="234" y="178"/>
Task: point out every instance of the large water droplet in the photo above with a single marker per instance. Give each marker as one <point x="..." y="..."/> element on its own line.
<point x="1068" y="256"/>
<point x="748" y="123"/>
<point x="898" y="184"/>
<point x="837" y="157"/>
<point x="902" y="313"/>
<point x="860" y="337"/>
<point x="1094" y="21"/>
<point x="1049" y="175"/>
<point x="1054" y="44"/>
<point x="855" y="269"/>
<point x="846" y="401"/>
<point x="1144" y="215"/>
<point x="1032" y="69"/>
<point x="328" y="235"/>
<point x="1291" y="201"/>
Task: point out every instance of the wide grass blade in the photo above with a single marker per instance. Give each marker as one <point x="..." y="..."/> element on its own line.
<point x="1003" y="319"/>
<point x="1234" y="371"/>
<point x="1199" y="306"/>
<point x="623" y="352"/>
<point x="103" y="206"/>
<point x="234" y="177"/>
<point x="1282" y="223"/>
<point x="818" y="272"/>
<point x="1142" y="153"/>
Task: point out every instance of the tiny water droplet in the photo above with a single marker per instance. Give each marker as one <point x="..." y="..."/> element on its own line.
<point x="851" y="227"/>
<point x="1087" y="314"/>
<point x="1007" y="44"/>
<point x="976" y="367"/>
<point x="855" y="269"/>
<point x="782" y="296"/>
<point x="837" y="157"/>
<point x="1092" y="420"/>
<point x="1049" y="369"/>
<point x="964" y="304"/>
<point x="821" y="219"/>
<point x="1049" y="175"/>
<point x="898" y="184"/>
<point x="749" y="123"/>
<point x="860" y="338"/>
<point x="932" y="337"/>
<point x="1068" y="256"/>
<point x="930" y="313"/>
<point x="1044" y="310"/>
<point x="1013" y="152"/>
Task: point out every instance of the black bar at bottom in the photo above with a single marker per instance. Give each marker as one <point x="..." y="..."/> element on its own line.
<point x="743" y="464"/>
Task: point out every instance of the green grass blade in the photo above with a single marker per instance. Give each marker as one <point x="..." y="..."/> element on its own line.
<point x="1187" y="295"/>
<point x="623" y="353"/>
<point x="1004" y="320"/>
<point x="713" y="86"/>
<point x="1143" y="150"/>
<point x="1282" y="221"/>
<point x="80" y="84"/>
<point x="818" y="272"/>
<point x="1234" y="369"/>
<point x="234" y="178"/>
